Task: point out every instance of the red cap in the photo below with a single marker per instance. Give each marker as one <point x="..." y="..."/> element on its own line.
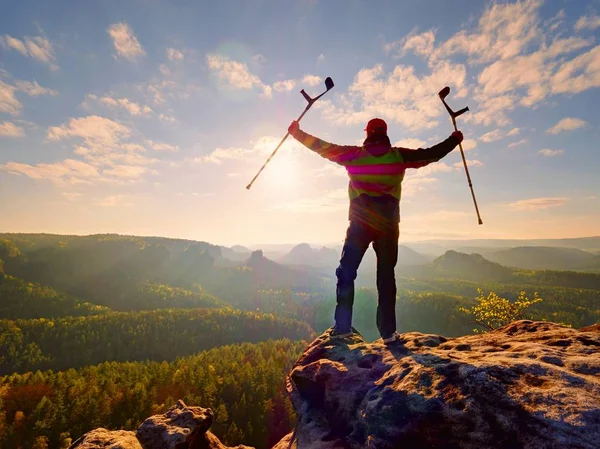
<point x="376" y="125"/>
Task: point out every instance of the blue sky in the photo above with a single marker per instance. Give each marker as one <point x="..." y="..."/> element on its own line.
<point x="150" y="118"/>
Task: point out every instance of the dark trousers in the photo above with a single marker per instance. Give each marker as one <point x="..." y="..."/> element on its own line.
<point x="385" y="243"/>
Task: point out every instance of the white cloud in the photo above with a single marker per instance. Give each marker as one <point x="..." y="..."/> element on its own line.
<point x="411" y="143"/>
<point x="94" y="130"/>
<point x="514" y="144"/>
<point x="567" y="124"/>
<point x="503" y="31"/>
<point x="8" y="103"/>
<point x="469" y="144"/>
<point x="222" y="154"/>
<point x="311" y="80"/>
<point x="124" y="103"/>
<point x="513" y="132"/>
<point x="549" y="153"/>
<point x="125" y="171"/>
<point x="538" y="203"/>
<point x="578" y="74"/>
<point x="320" y="58"/>
<point x="401" y="96"/>
<point x="420" y="44"/>
<point x="284" y="86"/>
<point x="587" y="23"/>
<point x="236" y="74"/>
<point x="9" y="129"/>
<point x="67" y="172"/>
<point x="125" y="43"/>
<point x="34" y="89"/>
<point x="174" y="55"/>
<point x="491" y="136"/>
<point x="161" y="146"/>
<point x="37" y="47"/>
<point x="436" y="167"/>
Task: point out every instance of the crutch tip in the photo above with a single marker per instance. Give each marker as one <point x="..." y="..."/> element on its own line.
<point x="480" y="222"/>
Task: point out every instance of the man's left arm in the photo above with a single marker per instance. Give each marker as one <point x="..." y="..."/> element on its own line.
<point x="425" y="156"/>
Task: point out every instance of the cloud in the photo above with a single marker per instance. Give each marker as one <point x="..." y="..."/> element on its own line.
<point x="9" y="129"/>
<point x="503" y="31"/>
<point x="174" y="55"/>
<point x="400" y="96"/>
<point x="469" y="144"/>
<point x="219" y="155"/>
<point x="235" y="74"/>
<point x="284" y="86"/>
<point x="161" y="146"/>
<point x="538" y="203"/>
<point x="311" y="80"/>
<point x="587" y="23"/>
<point x="94" y="130"/>
<point x="491" y="136"/>
<point x="420" y="44"/>
<point x="8" y="103"/>
<point x="411" y="143"/>
<point x="513" y="132"/>
<point x="567" y="124"/>
<point x="126" y="171"/>
<point x="549" y="153"/>
<point x="578" y="74"/>
<point x="320" y="58"/>
<point x="123" y="103"/>
<point x="33" y="89"/>
<point x="67" y="172"/>
<point x="514" y="144"/>
<point x="436" y="167"/>
<point x="37" y="47"/>
<point x="125" y="43"/>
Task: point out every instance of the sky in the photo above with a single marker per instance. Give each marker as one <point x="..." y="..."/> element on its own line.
<point x="151" y="117"/>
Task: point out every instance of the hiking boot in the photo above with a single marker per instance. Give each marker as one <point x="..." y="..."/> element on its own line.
<point x="394" y="337"/>
<point x="340" y="332"/>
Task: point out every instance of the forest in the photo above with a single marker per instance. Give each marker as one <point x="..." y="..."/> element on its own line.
<point x="106" y="330"/>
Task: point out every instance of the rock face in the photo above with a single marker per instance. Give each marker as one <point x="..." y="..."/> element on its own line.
<point x="181" y="427"/>
<point x="527" y="385"/>
<point x="107" y="439"/>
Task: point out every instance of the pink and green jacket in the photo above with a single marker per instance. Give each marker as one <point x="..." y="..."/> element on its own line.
<point x="376" y="171"/>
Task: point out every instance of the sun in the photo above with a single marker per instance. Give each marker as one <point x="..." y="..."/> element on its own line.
<point x="282" y="172"/>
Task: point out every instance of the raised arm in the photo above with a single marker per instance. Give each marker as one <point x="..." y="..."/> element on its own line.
<point x="425" y="156"/>
<point x="340" y="154"/>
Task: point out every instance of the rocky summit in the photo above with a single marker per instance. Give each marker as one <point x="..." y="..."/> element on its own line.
<point x="526" y="385"/>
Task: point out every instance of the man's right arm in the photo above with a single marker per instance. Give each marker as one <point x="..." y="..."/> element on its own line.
<point x="340" y="154"/>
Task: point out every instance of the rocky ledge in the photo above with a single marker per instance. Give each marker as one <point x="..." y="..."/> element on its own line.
<point x="526" y="385"/>
<point x="529" y="385"/>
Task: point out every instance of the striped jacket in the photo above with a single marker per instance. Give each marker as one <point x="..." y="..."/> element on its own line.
<point x="376" y="171"/>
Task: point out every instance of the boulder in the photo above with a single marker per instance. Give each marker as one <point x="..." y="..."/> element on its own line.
<point x="107" y="439"/>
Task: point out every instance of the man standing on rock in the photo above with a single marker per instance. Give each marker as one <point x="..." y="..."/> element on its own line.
<point x="376" y="170"/>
